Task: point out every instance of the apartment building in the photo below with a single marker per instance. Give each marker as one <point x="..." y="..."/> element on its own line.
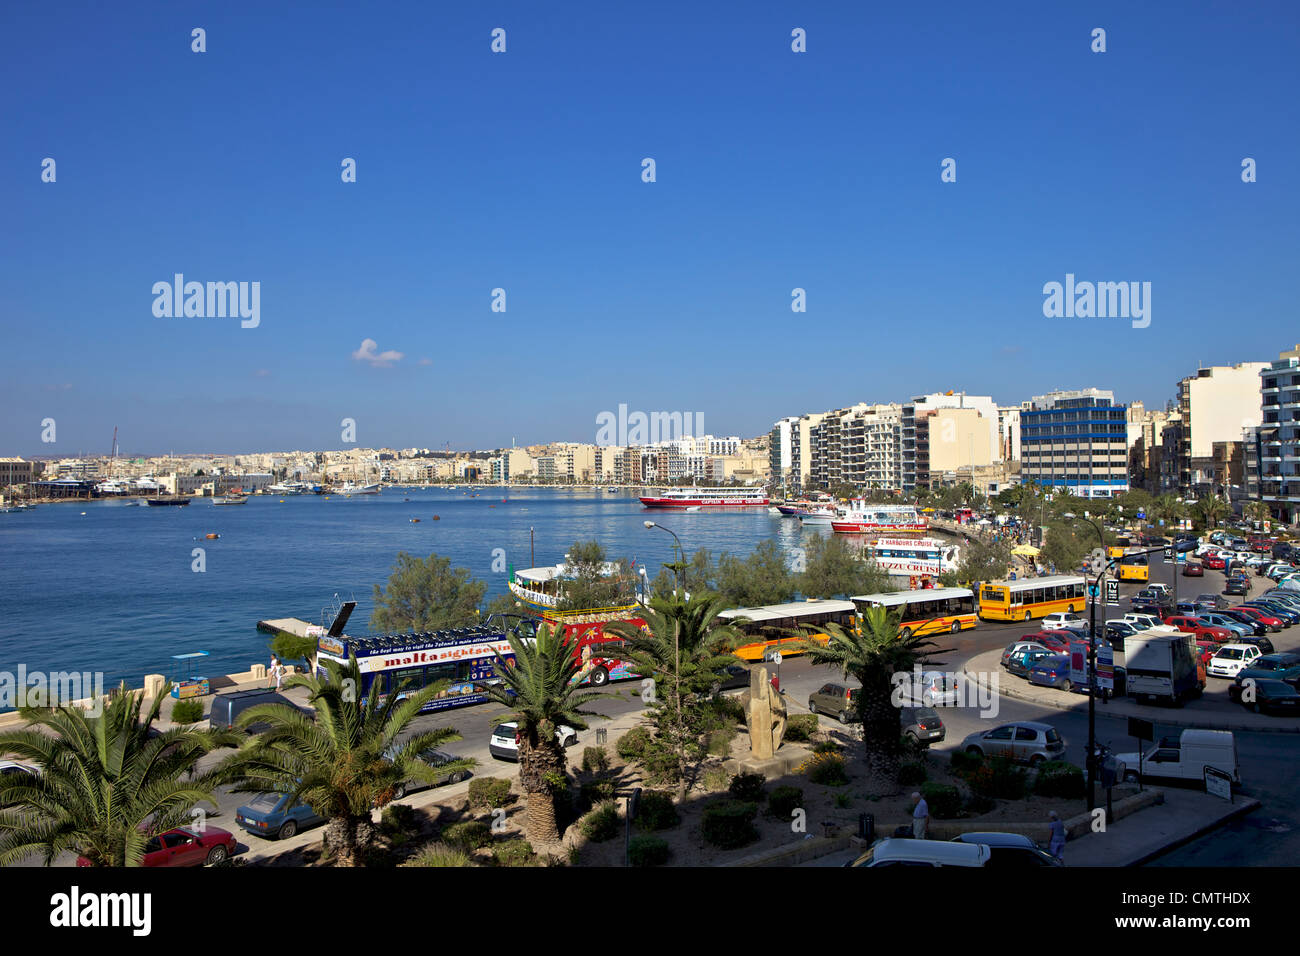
<point x="1076" y="440"/>
<point x="1277" y="439"/>
<point x="916" y="410"/>
<point x="1216" y="405"/>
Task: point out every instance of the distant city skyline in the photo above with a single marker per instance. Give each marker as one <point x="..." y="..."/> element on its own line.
<point x="462" y="248"/>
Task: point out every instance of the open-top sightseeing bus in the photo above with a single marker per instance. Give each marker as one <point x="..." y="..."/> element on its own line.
<point x="1031" y="597"/>
<point x="926" y="611"/>
<point x="597" y="650"/>
<point x="776" y="626"/>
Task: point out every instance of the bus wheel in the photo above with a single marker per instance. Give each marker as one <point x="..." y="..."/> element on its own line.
<point x="599" y="677"/>
<point x="1073" y="609"/>
<point x="1026" y="615"/>
<point x="956" y="627"/>
<point x="905" y="633"/>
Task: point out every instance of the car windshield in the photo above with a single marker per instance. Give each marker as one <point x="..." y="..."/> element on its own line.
<point x="926" y="713"/>
<point x="1230" y="653"/>
<point x="504" y="730"/>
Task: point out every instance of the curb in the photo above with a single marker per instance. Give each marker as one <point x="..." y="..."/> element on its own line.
<point x="1207" y="722"/>
<point x="1249" y="806"/>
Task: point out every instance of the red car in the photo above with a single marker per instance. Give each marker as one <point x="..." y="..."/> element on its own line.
<point x="185" y="847"/>
<point x="1274" y="624"/>
<point x="1193" y="569"/>
<point x="1192" y="625"/>
<point x="1214" y="562"/>
<point x="1057" y="641"/>
<point x="1207" y="649"/>
<point x="1261" y="545"/>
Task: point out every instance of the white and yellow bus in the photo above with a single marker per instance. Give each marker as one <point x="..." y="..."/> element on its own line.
<point x="1032" y="597"/>
<point x="775" y="627"/>
<point x="926" y="611"/>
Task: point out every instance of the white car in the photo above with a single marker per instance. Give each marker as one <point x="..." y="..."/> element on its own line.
<point x="8" y="767"/>
<point x="1063" y="620"/>
<point x="1126" y="628"/>
<point x="933" y="688"/>
<point x="504" y="744"/>
<point x="1231" y="659"/>
<point x="1143" y="621"/>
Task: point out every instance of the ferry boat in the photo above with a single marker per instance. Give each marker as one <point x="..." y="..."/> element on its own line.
<point x="909" y="557"/>
<point x="543" y="588"/>
<point x="866" y="518"/>
<point x="683" y="498"/>
<point x="349" y="488"/>
<point x="819" y="516"/>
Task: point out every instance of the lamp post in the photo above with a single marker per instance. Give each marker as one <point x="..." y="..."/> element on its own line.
<point x="678" y="550"/>
<point x="677" y="630"/>
<point x="1092" y="666"/>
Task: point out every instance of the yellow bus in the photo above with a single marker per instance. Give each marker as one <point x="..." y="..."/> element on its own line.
<point x="775" y="626"/>
<point x="926" y="611"/>
<point x="1032" y="597"/>
<point x="1113" y="552"/>
<point x="1134" y="567"/>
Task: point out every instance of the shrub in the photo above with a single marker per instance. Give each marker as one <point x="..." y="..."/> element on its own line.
<point x="729" y="711"/>
<point x="826" y="747"/>
<point x="719" y="744"/>
<point x="645" y="850"/>
<point x="978" y="804"/>
<point x="911" y="773"/>
<point x="656" y="811"/>
<point x="963" y="763"/>
<point x="632" y="744"/>
<point x="595" y="760"/>
<point x="715" y="778"/>
<point x="1057" y="778"/>
<point x="595" y="792"/>
<point x="943" y="800"/>
<point x="662" y="765"/>
<point x="801" y="727"/>
<point x="467" y="836"/>
<point x="829" y="770"/>
<point x="783" y="800"/>
<point x="842" y="800"/>
<point x="729" y="824"/>
<point x="398" y="820"/>
<point x="747" y="786"/>
<point x="488" y="793"/>
<point x="601" y="824"/>
<point x="187" y="711"/>
<point x="439" y="854"/>
<point x="513" y="852"/>
<point x="998" y="777"/>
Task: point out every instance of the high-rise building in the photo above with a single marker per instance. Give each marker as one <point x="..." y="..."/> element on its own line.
<point x="916" y="410"/>
<point x="1277" y="439"/>
<point x="1076" y="440"/>
<point x="1216" y="404"/>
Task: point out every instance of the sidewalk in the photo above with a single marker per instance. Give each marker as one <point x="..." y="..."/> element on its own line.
<point x="1208" y="713"/>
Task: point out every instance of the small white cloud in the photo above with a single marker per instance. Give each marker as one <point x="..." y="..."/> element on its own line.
<point x="367" y="353"/>
<point x="426" y="361"/>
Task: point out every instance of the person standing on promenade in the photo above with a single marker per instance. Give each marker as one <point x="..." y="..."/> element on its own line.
<point x="920" y="816"/>
<point x="1056" y="845"/>
<point x="276" y="674"/>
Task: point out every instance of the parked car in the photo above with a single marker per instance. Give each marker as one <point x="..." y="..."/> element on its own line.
<point x="1051" y="671"/>
<point x="226" y="708"/>
<point x="1143" y="621"/>
<point x="1010" y="850"/>
<point x="1215" y="619"/>
<point x="1186" y="757"/>
<point x="1238" y="586"/>
<point x="504" y="742"/>
<point x="1027" y="741"/>
<point x="923" y="725"/>
<point x="1020" y="661"/>
<point x="1263" y="643"/>
<point x="1214" y="562"/>
<point x="12" y="768"/>
<point x="1273" y="623"/>
<point x="732" y="677"/>
<point x="1232" y="658"/>
<point x="184" y="846"/>
<point x="1063" y="619"/>
<point x="908" y="852"/>
<point x="1057" y="640"/>
<point x="435" y="759"/>
<point x="836" y="700"/>
<point x="1119" y="678"/>
<point x="927" y="689"/>
<point x="276" y="816"/>
<point x="1285" y="613"/>
<point x="1276" y="663"/>
<point x="1241" y="617"/>
<point x="1019" y="645"/>
<point x="1215" y="601"/>
<point x="1193" y="569"/>
<point x="1193" y="625"/>
<point x="1268" y="696"/>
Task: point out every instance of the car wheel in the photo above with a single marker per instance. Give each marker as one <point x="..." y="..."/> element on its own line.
<point x="974" y="752"/>
<point x="1067" y="686"/>
<point x="460" y="776"/>
<point x="570" y="740"/>
<point x="599" y="677"/>
<point x="289" y="829"/>
<point x="1036" y="759"/>
<point x="399" y="791"/>
<point x="1130" y="776"/>
<point x="218" y="855"/>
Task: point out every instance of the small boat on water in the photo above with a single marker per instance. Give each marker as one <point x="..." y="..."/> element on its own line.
<point x="179" y="501"/>
<point x="234" y="498"/>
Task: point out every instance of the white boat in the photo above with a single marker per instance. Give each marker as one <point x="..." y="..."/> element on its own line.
<point x="867" y="518"/>
<point x="729" y="497"/>
<point x="350" y="488"/>
<point x="910" y="557"/>
<point x="819" y="516"/>
<point x="544" y="587"/>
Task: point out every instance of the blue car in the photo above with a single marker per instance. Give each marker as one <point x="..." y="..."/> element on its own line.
<point x="1051" y="671"/>
<point x="275" y="816"/>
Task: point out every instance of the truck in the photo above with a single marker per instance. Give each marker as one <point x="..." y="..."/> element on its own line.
<point x="1184" y="757"/>
<point x="1162" y="666"/>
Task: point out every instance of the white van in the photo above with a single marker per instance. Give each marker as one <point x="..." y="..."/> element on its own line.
<point x="1194" y="751"/>
<point x="908" y="852"/>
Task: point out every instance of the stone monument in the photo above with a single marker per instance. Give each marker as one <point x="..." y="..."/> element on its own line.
<point x="766" y="715"/>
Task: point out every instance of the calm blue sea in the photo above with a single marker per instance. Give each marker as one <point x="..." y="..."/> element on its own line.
<point x="107" y="586"/>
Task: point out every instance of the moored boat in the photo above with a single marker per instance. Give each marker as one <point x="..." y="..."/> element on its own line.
<point x="162" y="500"/>
<point x="866" y="518"/>
<point x="683" y="498"/>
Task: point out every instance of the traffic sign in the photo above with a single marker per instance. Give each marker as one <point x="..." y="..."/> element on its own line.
<point x="1169" y="554"/>
<point x="1112" y="591"/>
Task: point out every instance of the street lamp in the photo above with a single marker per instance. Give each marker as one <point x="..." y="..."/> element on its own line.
<point x="678" y="549"/>
<point x="1092" y="664"/>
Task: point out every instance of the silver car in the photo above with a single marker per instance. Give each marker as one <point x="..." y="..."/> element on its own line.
<point x="1026" y="741"/>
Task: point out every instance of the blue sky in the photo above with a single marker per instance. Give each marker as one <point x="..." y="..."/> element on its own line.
<point x="522" y="171"/>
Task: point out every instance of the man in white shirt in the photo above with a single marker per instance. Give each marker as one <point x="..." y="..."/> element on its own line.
<point x="920" y="816"/>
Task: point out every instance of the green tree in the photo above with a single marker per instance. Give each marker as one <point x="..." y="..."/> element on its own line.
<point x="683" y="654"/>
<point x="1256" y="511"/>
<point x="698" y="574"/>
<point x="873" y="654"/>
<point x="106" y="783"/>
<point x="762" y="578"/>
<point x="501" y="604"/>
<point x="591" y="585"/>
<point x="539" y="689"/>
<point x="346" y="760"/>
<point x="426" y="594"/>
<point x="1211" y="510"/>
<point x="1167" y="508"/>
<point x="983" y="561"/>
<point x="291" y="647"/>
<point x="834" y="568"/>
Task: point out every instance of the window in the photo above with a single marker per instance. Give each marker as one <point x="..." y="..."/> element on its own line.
<point x="1001" y="733"/>
<point x="1026" y="733"/>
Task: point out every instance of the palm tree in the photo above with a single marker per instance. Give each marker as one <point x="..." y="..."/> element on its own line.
<point x="1256" y="511"/>
<point x="1167" y="508"/>
<point x="346" y="760"/>
<point x="683" y="652"/>
<point x="106" y="783"/>
<point x="873" y="654"/>
<point x="541" y="691"/>
<point x="1210" y="510"/>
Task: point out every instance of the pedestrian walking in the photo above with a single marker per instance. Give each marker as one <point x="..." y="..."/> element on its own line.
<point x="920" y="816"/>
<point x="1056" y="845"/>
<point x="276" y="674"/>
